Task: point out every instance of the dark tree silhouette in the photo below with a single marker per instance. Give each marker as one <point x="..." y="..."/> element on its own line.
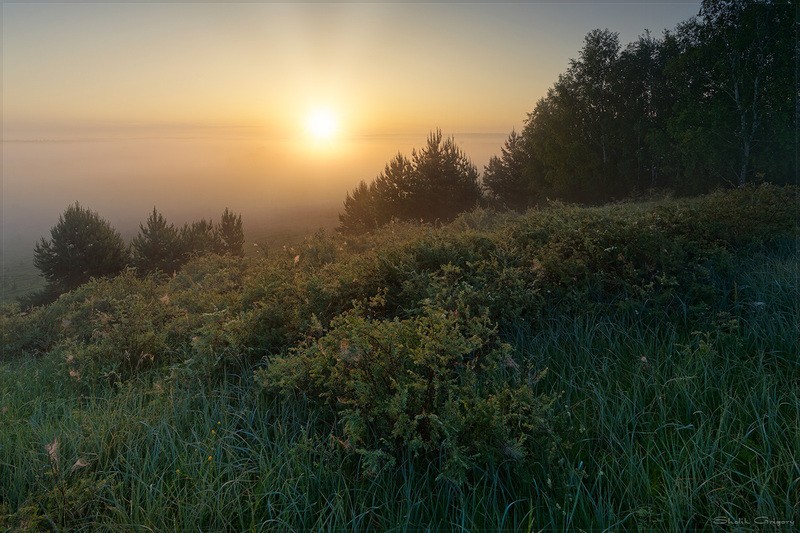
<point x="574" y="132"/>
<point x="735" y="119"/>
<point x="711" y="103"/>
<point x="507" y="179"/>
<point x="360" y="210"/>
<point x="437" y="183"/>
<point x="444" y="180"/>
<point x="82" y="246"/>
<point x="647" y="98"/>
<point x="199" y="238"/>
<point x="231" y="234"/>
<point x="394" y="191"/>
<point x="157" y="247"/>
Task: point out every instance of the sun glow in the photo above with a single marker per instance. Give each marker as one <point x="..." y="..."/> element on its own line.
<point x="322" y="124"/>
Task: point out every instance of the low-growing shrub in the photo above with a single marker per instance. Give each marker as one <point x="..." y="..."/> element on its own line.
<point x="116" y="328"/>
<point x="658" y="261"/>
<point x="440" y="385"/>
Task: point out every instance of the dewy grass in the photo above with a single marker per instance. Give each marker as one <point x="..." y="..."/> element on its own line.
<point x="701" y="424"/>
<point x="661" y="422"/>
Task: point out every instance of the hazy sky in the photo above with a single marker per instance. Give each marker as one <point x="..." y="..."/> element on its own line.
<point x="197" y="106"/>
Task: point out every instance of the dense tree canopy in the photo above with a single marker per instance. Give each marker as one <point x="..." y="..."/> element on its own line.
<point x="158" y="246"/>
<point x="712" y="103"/>
<point x="735" y="119"/>
<point x="82" y="246"/>
<point x="437" y="183"/>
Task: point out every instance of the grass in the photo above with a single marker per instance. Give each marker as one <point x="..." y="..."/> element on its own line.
<point x="212" y="460"/>
<point x="666" y="424"/>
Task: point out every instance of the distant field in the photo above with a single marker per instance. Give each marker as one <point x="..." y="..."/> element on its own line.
<point x="19" y="278"/>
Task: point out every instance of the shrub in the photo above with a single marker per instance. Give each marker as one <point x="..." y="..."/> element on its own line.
<point x="115" y="329"/>
<point x="440" y="385"/>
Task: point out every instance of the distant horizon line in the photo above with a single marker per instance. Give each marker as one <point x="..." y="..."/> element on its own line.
<point x="355" y="137"/>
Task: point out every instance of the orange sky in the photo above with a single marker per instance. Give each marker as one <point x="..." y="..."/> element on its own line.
<point x="193" y="107"/>
<point x="385" y="68"/>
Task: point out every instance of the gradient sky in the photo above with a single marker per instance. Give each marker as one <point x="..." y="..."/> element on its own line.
<point x="213" y="97"/>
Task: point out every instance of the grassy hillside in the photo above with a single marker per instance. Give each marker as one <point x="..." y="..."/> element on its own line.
<point x="631" y="367"/>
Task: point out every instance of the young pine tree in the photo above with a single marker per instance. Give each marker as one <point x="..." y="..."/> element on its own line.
<point x="445" y="180"/>
<point x="199" y="238"/>
<point x="231" y="234"/>
<point x="157" y="247"/>
<point x="82" y="246"/>
<point x="360" y="210"/>
<point x="505" y="177"/>
<point x="437" y="183"/>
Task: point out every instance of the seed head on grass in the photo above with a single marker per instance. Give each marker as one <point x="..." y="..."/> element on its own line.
<point x="52" y="453"/>
<point x="52" y="450"/>
<point x="80" y="463"/>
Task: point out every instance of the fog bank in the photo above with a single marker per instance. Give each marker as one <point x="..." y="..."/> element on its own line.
<point x="191" y="174"/>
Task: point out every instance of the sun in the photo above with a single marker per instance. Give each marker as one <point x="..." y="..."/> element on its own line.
<point x="322" y="124"/>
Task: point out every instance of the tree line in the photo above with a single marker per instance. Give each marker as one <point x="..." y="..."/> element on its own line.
<point x="711" y="103"/>
<point x="83" y="245"/>
<point x="436" y="183"/>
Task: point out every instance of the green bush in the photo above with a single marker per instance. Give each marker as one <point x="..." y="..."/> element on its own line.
<point x="440" y="385"/>
<point x="114" y="329"/>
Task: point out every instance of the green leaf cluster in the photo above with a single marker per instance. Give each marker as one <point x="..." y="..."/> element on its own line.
<point x="440" y="386"/>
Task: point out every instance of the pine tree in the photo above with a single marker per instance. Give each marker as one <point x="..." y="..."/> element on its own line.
<point x="437" y="183"/>
<point x="231" y="234"/>
<point x="82" y="246"/>
<point x="445" y="182"/>
<point x="157" y="247"/>
<point x="394" y="191"/>
<point x="506" y="178"/>
<point x="199" y="238"/>
<point x="360" y="210"/>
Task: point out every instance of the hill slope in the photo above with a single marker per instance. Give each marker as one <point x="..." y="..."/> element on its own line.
<point x="631" y="366"/>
